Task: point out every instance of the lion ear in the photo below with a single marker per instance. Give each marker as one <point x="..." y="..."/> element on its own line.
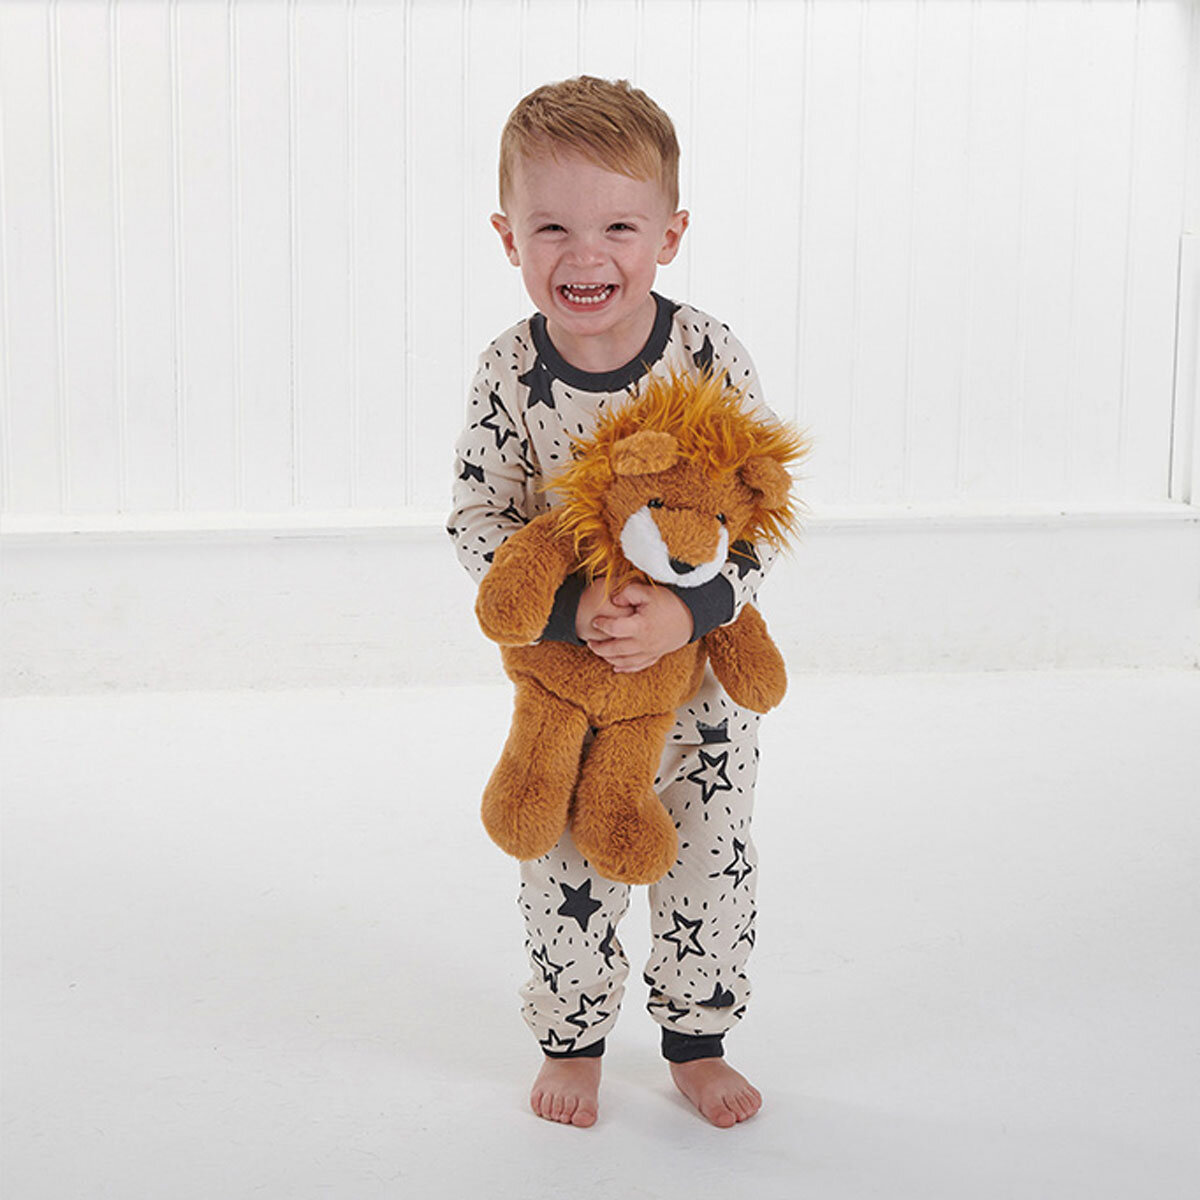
<point x="768" y="479"/>
<point x="644" y="453"/>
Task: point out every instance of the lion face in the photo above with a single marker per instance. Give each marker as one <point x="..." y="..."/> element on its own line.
<point x="672" y="518"/>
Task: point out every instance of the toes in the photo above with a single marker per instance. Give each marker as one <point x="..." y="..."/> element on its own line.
<point x="722" y="1115"/>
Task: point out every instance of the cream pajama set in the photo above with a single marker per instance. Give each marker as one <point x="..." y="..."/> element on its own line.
<point x="526" y="404"/>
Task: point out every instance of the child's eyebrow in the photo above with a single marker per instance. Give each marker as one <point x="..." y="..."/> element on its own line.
<point x="607" y="219"/>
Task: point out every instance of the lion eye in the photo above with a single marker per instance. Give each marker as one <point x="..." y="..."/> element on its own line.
<point x="655" y="503"/>
<point x="721" y="518"/>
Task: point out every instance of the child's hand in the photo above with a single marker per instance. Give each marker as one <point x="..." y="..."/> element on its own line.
<point x="634" y="628"/>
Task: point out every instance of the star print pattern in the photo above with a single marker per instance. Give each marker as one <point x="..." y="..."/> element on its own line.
<point x="497" y="422"/>
<point x="739" y="868"/>
<point x="579" y="1017"/>
<point x="721" y="997"/>
<point x="578" y="903"/>
<point x="685" y="937"/>
<point x="550" y="970"/>
<point x="701" y="914"/>
<point x="539" y="381"/>
<point x="609" y="947"/>
<point x="710" y="774"/>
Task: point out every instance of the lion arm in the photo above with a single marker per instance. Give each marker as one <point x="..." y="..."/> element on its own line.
<point x="516" y="596"/>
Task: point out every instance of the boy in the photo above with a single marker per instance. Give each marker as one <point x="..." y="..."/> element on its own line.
<point x="589" y="210"/>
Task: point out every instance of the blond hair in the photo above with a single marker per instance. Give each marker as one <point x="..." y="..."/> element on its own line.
<point x="609" y="123"/>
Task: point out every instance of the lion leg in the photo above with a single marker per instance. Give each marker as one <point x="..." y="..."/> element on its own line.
<point x="528" y="796"/>
<point x="747" y="662"/>
<point x="618" y="822"/>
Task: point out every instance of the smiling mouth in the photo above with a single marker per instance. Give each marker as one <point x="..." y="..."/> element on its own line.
<point x="586" y="293"/>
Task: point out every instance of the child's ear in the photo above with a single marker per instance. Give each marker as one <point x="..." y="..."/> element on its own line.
<point x="672" y="237"/>
<point x="501" y="225"/>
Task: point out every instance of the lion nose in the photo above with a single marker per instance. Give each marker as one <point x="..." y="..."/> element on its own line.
<point x="680" y="567"/>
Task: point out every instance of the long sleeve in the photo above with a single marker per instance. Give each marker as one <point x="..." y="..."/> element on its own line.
<point x="494" y="489"/>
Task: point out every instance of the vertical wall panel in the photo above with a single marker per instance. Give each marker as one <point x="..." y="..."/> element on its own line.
<point x="205" y="203"/>
<point x="321" y="268"/>
<point x="247" y="261"/>
<point x="438" y="350"/>
<point x="145" y="111"/>
<point x="940" y="213"/>
<point x="264" y="263"/>
<point x="884" y="237"/>
<point x="1050" y="169"/>
<point x="380" y="216"/>
<point x="1158" y="176"/>
<point x="775" y="214"/>
<point x="84" y="215"/>
<point x="1105" y="101"/>
<point x="997" y="193"/>
<point x="829" y="259"/>
<point x="34" y="459"/>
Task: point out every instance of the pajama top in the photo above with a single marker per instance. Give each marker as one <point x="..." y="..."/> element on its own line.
<point x="526" y="405"/>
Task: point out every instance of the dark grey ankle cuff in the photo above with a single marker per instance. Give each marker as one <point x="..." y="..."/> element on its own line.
<point x="681" y="1047"/>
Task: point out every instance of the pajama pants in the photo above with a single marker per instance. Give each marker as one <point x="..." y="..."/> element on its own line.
<point x="701" y="918"/>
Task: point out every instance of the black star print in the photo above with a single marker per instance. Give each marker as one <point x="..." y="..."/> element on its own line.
<point x="709" y="734"/>
<point x="578" y="903"/>
<point x="513" y="513"/>
<point x="711" y="784"/>
<point x="497" y="422"/>
<point x="674" y="1011"/>
<point x="739" y="868"/>
<point x="703" y="358"/>
<point x="555" y="1044"/>
<point x="579" y="1016"/>
<point x="690" y="945"/>
<point x="550" y="970"/>
<point x="745" y="558"/>
<point x="721" y="998"/>
<point x="747" y="935"/>
<point x="610" y="947"/>
<point x="470" y="471"/>
<point x="538" y="379"/>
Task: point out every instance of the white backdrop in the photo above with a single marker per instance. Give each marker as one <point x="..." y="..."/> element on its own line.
<point x="246" y="264"/>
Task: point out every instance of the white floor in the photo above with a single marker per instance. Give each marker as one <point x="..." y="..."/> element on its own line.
<point x="256" y="945"/>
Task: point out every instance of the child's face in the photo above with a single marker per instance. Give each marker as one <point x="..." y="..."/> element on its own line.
<point x="588" y="242"/>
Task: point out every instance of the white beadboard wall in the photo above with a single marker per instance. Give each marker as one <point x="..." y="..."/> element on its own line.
<point x="245" y="270"/>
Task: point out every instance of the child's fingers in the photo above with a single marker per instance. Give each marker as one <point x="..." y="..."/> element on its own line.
<point x="617" y="627"/>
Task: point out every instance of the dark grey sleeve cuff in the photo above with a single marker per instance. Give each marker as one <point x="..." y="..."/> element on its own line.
<point x="561" y="625"/>
<point x="711" y="604"/>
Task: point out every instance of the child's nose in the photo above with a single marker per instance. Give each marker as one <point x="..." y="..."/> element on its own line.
<point x="585" y="249"/>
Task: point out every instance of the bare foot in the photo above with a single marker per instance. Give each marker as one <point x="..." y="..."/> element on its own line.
<point x="722" y="1095"/>
<point x="566" y="1091"/>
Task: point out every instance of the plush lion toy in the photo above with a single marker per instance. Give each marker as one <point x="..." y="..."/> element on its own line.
<point x="664" y="488"/>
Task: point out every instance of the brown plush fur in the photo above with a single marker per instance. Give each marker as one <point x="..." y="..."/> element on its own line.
<point x="686" y="455"/>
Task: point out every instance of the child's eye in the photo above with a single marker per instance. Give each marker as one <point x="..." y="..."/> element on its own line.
<point x="550" y="228"/>
<point x="622" y="227"/>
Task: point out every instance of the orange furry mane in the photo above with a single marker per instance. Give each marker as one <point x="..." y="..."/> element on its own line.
<point x="706" y="416"/>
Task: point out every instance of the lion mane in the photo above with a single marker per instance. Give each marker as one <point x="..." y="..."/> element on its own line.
<point x="707" y="417"/>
